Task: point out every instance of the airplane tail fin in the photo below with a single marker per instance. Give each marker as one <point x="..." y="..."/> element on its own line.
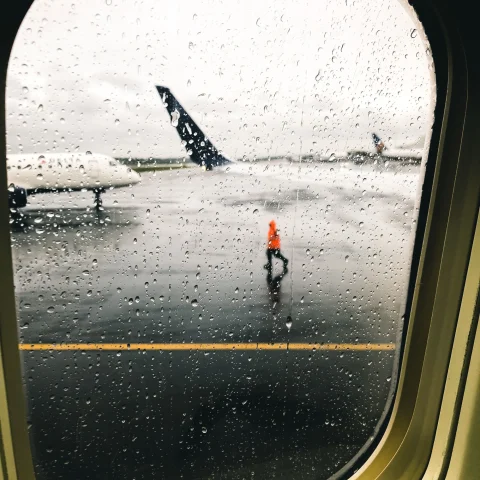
<point x="379" y="145"/>
<point x="198" y="146"/>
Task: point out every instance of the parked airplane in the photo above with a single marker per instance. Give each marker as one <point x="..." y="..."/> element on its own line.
<point x="413" y="152"/>
<point x="31" y="174"/>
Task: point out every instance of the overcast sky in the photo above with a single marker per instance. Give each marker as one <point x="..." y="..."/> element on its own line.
<point x="274" y="77"/>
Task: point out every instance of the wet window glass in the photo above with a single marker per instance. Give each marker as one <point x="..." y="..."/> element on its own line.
<point x="228" y="301"/>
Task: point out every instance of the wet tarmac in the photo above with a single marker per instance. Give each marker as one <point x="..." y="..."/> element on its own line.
<point x="178" y="259"/>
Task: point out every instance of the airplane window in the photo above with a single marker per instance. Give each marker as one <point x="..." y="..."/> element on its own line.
<point x="236" y="310"/>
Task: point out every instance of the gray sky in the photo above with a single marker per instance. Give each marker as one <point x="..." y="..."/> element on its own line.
<point x="261" y="78"/>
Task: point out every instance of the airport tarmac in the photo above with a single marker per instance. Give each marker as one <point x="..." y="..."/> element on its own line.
<point x="154" y="347"/>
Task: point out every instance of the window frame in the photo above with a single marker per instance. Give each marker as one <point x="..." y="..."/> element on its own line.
<point x="442" y="252"/>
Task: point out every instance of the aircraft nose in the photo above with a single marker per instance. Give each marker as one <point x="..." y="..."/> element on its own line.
<point x="135" y="176"/>
<point x="130" y="176"/>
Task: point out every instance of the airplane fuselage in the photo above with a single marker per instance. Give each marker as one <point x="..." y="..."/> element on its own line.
<point x="53" y="172"/>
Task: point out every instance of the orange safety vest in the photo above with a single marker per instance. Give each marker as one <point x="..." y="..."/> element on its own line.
<point x="273" y="242"/>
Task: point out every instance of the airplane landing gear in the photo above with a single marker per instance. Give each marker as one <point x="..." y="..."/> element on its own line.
<point x="98" y="199"/>
<point x="16" y="214"/>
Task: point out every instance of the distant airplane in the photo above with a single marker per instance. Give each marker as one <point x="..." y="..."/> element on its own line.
<point x="32" y="174"/>
<point x="412" y="151"/>
<point x="199" y="148"/>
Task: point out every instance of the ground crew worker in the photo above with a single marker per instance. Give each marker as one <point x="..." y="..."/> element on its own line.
<point x="273" y="247"/>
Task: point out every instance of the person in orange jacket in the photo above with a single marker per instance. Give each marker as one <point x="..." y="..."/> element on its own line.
<point x="273" y="247"/>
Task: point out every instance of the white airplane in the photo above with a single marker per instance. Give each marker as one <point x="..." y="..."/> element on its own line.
<point x="30" y="174"/>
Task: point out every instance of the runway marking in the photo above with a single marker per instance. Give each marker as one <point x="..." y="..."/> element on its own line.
<point x="209" y="346"/>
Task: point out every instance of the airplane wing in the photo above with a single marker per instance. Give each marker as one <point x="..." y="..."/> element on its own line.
<point x="199" y="148"/>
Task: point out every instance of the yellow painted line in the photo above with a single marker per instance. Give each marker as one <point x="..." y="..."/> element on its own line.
<point x="209" y="346"/>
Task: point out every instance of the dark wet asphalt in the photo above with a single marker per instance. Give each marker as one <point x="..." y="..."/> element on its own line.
<point x="178" y="258"/>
